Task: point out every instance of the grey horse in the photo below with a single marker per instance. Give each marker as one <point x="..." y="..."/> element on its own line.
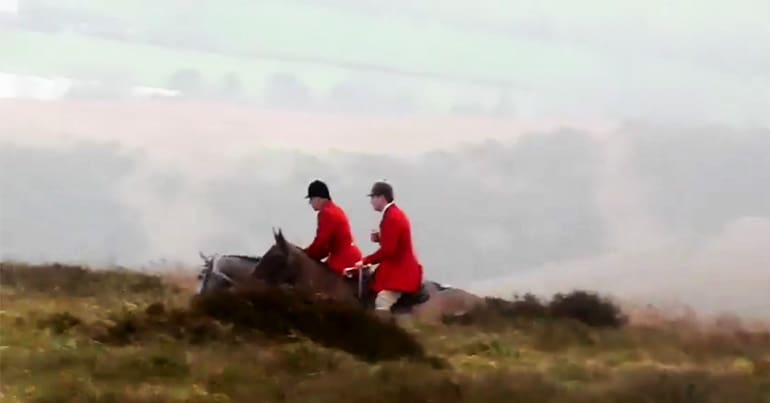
<point x="222" y="272"/>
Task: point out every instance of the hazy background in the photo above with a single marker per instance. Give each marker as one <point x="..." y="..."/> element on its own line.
<point x="536" y="147"/>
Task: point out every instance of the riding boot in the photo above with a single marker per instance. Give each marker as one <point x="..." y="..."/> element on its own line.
<point x="384" y="315"/>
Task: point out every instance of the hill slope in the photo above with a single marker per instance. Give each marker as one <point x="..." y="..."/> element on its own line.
<point x="69" y="334"/>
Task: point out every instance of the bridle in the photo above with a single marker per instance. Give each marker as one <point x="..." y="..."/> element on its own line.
<point x="348" y="273"/>
<point x="211" y="269"/>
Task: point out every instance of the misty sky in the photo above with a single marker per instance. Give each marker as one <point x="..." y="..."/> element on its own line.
<point x="636" y="160"/>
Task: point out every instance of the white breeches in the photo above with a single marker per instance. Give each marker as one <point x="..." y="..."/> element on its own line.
<point x="385" y="299"/>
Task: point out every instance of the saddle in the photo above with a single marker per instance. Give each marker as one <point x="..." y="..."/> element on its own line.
<point x="405" y="303"/>
<point x="408" y="301"/>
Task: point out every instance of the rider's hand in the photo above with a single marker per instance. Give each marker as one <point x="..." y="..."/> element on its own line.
<point x="356" y="267"/>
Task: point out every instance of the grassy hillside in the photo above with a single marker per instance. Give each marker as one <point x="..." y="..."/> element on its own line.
<point x="69" y="334"/>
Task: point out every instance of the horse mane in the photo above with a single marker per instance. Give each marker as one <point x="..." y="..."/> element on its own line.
<point x="290" y="249"/>
<point x="254" y="259"/>
<point x="208" y="261"/>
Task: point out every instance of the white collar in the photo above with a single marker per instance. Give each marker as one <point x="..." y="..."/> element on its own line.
<point x="386" y="207"/>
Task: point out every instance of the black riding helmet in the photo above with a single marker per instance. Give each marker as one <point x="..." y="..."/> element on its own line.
<point x="318" y="189"/>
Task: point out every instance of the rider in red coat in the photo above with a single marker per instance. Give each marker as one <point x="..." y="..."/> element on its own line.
<point x="399" y="270"/>
<point x="333" y="236"/>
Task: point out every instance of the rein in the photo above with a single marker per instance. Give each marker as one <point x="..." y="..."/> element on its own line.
<point x="349" y="270"/>
<point x="213" y="270"/>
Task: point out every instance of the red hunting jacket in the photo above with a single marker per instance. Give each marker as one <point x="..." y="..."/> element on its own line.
<point x="334" y="239"/>
<point x="399" y="269"/>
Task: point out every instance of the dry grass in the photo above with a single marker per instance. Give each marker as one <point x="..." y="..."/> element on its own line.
<point x="70" y="334"/>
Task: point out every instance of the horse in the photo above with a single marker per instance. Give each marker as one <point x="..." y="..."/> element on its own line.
<point x="222" y="272"/>
<point x="287" y="264"/>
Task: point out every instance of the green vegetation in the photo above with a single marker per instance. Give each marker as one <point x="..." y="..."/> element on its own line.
<point x="69" y="334"/>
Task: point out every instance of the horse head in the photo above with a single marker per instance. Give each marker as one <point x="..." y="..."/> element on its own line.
<point x="276" y="265"/>
<point x="207" y="263"/>
<point x="224" y="271"/>
<point x="206" y="278"/>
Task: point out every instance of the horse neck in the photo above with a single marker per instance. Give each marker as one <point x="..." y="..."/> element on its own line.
<point x="235" y="266"/>
<point x="308" y="267"/>
<point x="250" y="259"/>
<point x="311" y="269"/>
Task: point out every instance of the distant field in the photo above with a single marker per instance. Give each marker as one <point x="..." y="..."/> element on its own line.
<point x="298" y="29"/>
<point x="71" y="55"/>
<point x="82" y="56"/>
<point x="341" y="34"/>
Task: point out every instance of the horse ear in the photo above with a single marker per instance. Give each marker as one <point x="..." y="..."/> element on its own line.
<point x="205" y="258"/>
<point x="281" y="241"/>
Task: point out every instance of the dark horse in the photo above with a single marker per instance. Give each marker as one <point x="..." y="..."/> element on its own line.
<point x="287" y="264"/>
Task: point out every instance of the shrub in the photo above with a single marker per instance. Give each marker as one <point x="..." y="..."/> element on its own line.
<point x="582" y="306"/>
